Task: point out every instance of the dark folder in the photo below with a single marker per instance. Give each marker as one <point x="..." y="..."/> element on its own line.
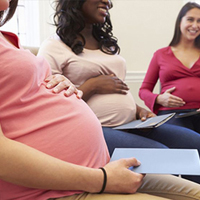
<point x="187" y="114"/>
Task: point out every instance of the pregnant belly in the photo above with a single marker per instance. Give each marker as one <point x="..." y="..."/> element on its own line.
<point x="113" y="109"/>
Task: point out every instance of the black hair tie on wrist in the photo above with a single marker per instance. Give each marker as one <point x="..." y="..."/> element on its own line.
<point x="104" y="180"/>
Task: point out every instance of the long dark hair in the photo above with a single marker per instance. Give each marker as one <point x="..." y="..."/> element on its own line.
<point x="7" y="15"/>
<point x="69" y="21"/>
<point x="177" y="32"/>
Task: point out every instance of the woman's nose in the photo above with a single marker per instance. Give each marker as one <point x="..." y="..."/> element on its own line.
<point x="108" y="2"/>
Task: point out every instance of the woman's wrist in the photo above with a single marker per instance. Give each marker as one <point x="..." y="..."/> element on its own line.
<point x="104" y="180"/>
<point x="158" y="101"/>
<point x="94" y="179"/>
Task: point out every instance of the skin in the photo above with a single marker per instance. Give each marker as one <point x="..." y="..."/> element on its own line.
<point x="46" y="172"/>
<point x="4" y="4"/>
<point x="59" y="83"/>
<point x="185" y="51"/>
<point x="95" y="11"/>
<point x="43" y="171"/>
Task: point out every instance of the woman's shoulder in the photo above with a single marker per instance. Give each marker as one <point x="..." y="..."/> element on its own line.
<point x="163" y="50"/>
<point x="53" y="44"/>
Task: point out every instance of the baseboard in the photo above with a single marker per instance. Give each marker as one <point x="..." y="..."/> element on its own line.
<point x="135" y="76"/>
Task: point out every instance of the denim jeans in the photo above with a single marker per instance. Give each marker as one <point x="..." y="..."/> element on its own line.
<point x="191" y="122"/>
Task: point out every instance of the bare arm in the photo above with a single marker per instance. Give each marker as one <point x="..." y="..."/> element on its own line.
<point x="103" y="84"/>
<point x="26" y="166"/>
<point x="23" y="165"/>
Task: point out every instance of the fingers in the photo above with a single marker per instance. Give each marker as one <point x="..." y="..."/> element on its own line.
<point x="54" y="80"/>
<point x="65" y="85"/>
<point x="175" y="101"/>
<point x="79" y="93"/>
<point x="72" y="90"/>
<point x="132" y="162"/>
<point x="168" y="100"/>
<point x="59" y="83"/>
<point x="120" y="86"/>
<point x="170" y="90"/>
<point x="147" y="115"/>
<point x="119" y="170"/>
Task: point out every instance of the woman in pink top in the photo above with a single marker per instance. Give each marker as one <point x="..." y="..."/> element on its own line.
<point x="52" y="146"/>
<point x="178" y="69"/>
<point x="86" y="52"/>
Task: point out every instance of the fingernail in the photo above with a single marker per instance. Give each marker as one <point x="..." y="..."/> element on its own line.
<point x="67" y="93"/>
<point x="55" y="90"/>
<point x="48" y="85"/>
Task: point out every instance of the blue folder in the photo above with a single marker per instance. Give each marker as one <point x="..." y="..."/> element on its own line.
<point x="151" y="122"/>
<point x="162" y="161"/>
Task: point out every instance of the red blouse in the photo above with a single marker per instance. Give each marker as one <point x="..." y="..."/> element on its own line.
<point x="172" y="73"/>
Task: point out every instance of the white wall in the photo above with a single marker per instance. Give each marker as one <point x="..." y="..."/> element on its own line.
<point x="142" y="26"/>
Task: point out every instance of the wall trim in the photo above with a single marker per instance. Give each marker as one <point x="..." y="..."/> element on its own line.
<point x="135" y="76"/>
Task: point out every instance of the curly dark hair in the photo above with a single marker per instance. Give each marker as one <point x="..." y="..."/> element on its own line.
<point x="177" y="32"/>
<point x="7" y="15"/>
<point x="69" y="22"/>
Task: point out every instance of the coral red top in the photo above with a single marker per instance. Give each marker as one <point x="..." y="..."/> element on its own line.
<point x="63" y="127"/>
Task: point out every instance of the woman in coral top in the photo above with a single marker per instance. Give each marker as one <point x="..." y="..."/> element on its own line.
<point x="178" y="69"/>
<point x="52" y="146"/>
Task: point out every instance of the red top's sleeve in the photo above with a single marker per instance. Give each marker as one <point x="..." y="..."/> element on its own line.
<point x="150" y="80"/>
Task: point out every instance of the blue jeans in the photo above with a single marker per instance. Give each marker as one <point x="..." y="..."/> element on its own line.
<point x="170" y="135"/>
<point x="191" y="122"/>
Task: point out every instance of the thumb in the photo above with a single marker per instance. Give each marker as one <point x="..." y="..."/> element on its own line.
<point x="170" y="90"/>
<point x="133" y="162"/>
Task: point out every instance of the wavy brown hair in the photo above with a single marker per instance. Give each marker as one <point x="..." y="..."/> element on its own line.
<point x="69" y="20"/>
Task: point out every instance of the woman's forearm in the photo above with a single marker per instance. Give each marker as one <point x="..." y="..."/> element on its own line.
<point x="88" y="88"/>
<point x="23" y="165"/>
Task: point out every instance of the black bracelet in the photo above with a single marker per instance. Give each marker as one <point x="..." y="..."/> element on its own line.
<point x="104" y="180"/>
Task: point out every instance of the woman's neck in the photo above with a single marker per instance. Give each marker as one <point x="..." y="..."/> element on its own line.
<point x="90" y="41"/>
<point x="186" y="44"/>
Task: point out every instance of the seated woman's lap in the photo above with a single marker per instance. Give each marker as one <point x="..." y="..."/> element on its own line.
<point x="174" y="136"/>
<point x="121" y="139"/>
<point x="164" y="136"/>
<point x="154" y="187"/>
<point x="191" y="122"/>
<point x="177" y="137"/>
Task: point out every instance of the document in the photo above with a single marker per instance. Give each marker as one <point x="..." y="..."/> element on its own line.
<point x="162" y="161"/>
<point x="148" y="123"/>
<point x="187" y="114"/>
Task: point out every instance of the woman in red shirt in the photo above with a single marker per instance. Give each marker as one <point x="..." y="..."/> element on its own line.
<point x="178" y="69"/>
